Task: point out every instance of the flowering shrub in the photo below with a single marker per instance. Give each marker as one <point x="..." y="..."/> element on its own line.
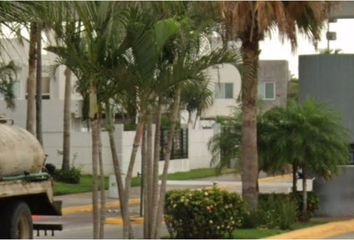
<point x="207" y="213"/>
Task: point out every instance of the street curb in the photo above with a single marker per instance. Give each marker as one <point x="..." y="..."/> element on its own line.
<point x="89" y="207"/>
<point x="326" y="230"/>
<point x="119" y="221"/>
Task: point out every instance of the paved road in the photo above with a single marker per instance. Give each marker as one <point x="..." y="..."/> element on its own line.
<point x="80" y="225"/>
<point x="344" y="236"/>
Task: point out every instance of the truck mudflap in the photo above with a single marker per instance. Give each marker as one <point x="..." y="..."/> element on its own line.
<point x="47" y="226"/>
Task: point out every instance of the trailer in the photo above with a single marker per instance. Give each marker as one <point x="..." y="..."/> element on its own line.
<point x="24" y="196"/>
<point x="26" y="189"/>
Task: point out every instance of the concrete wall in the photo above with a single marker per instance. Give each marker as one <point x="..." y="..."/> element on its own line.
<point x="199" y="156"/>
<point x="330" y="79"/>
<point x="336" y="195"/>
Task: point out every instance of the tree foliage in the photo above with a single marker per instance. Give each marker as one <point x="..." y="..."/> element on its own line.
<point x="310" y="135"/>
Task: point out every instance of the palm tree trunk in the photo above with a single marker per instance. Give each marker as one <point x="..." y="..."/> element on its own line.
<point x="249" y="155"/>
<point x="142" y="178"/>
<point x="95" y="128"/>
<point x="31" y="80"/>
<point x="95" y="156"/>
<point x="294" y="166"/>
<point x="174" y="118"/>
<point x="304" y="195"/>
<point x="155" y="180"/>
<point x="116" y="162"/>
<point x="145" y="198"/>
<point x="127" y="231"/>
<point x="39" y="86"/>
<point x="102" y="189"/>
<point x="149" y="190"/>
<point x="67" y="121"/>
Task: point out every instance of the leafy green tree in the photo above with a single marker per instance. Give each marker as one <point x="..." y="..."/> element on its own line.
<point x="309" y="136"/>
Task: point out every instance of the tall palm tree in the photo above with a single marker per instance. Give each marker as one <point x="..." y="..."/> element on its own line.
<point x="251" y="22"/>
<point x="93" y="51"/>
<point x="31" y="80"/>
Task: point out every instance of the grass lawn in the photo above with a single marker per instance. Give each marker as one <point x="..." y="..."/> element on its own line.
<point x="85" y="184"/>
<point x="262" y="233"/>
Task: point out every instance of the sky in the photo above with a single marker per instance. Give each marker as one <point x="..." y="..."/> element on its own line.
<point x="274" y="49"/>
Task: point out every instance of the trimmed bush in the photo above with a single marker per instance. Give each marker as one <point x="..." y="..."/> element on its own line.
<point x="71" y="176"/>
<point x="274" y="211"/>
<point x="207" y="213"/>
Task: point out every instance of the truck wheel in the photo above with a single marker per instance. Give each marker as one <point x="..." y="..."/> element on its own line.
<point x="16" y="221"/>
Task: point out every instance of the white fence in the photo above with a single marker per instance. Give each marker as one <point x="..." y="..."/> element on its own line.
<point x="81" y="151"/>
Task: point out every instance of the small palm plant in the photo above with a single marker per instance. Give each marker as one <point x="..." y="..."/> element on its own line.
<point x="309" y="135"/>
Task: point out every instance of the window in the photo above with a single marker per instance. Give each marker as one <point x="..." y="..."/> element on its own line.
<point x="45" y="87"/>
<point x="266" y="91"/>
<point x="224" y="90"/>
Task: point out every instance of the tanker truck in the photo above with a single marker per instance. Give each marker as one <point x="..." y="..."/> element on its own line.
<point x="26" y="189"/>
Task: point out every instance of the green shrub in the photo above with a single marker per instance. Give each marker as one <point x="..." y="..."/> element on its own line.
<point x="274" y="211"/>
<point x="313" y="202"/>
<point x="207" y="213"/>
<point x="70" y="176"/>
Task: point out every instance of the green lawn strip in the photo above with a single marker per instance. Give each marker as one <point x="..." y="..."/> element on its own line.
<point x="192" y="174"/>
<point x="256" y="233"/>
<point x="262" y="233"/>
<point x="197" y="173"/>
<point x="85" y="184"/>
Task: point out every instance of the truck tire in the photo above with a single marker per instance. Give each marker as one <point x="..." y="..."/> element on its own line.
<point x="16" y="221"/>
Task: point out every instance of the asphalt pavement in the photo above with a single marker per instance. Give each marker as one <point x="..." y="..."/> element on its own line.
<point x="77" y="208"/>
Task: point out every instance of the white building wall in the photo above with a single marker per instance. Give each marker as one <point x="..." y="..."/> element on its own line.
<point x="81" y="151"/>
<point x="199" y="154"/>
<point x="224" y="73"/>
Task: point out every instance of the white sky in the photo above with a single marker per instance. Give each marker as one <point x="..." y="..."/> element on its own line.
<point x="274" y="49"/>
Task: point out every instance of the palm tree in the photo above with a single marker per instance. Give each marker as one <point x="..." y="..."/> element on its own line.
<point x="308" y="135"/>
<point x="39" y="83"/>
<point x="93" y="50"/>
<point x="251" y="22"/>
<point x="196" y="97"/>
<point x="31" y="80"/>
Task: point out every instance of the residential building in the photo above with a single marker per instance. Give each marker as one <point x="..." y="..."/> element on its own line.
<point x="225" y="82"/>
